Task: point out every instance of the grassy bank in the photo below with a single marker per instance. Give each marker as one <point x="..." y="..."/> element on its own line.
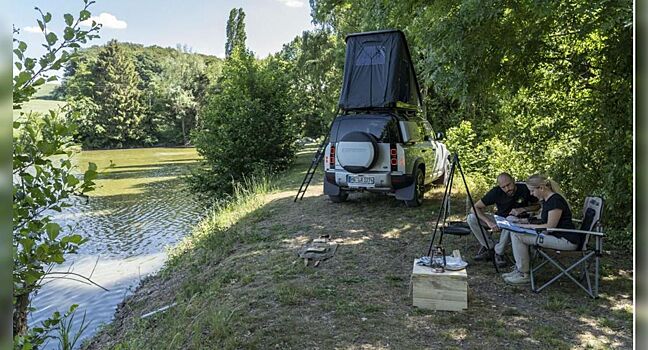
<point x="237" y="283"/>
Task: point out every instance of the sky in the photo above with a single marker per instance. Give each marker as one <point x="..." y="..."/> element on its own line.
<point x="198" y="24"/>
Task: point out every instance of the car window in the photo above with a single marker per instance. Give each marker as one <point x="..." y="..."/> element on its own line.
<point x="428" y="129"/>
<point x="383" y="129"/>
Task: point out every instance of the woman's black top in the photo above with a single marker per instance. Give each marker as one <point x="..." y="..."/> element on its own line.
<point x="556" y="201"/>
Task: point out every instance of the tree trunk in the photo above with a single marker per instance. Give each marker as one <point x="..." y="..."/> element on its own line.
<point x="184" y="135"/>
<point x="20" y="314"/>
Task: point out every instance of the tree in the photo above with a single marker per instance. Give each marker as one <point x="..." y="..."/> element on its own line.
<point x="178" y="93"/>
<point x="550" y="83"/>
<point x="44" y="179"/>
<point x="247" y="126"/>
<point x="315" y="61"/>
<point x="172" y="85"/>
<point x="114" y="105"/>
<point x="235" y="31"/>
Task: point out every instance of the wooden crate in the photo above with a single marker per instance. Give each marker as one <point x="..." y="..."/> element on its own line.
<point x="439" y="291"/>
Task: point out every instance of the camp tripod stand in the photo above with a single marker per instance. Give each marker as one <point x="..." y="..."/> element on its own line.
<point x="445" y="209"/>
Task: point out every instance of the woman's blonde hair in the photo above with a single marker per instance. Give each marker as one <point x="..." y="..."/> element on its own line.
<point x="536" y="180"/>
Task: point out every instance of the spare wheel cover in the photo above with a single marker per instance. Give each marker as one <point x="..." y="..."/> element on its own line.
<point x="357" y="151"/>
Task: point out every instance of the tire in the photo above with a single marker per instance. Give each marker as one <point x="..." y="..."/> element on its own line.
<point x="362" y="139"/>
<point x="419" y="189"/>
<point x="344" y="195"/>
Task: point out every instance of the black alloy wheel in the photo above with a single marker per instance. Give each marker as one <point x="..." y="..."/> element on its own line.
<point x="419" y="189"/>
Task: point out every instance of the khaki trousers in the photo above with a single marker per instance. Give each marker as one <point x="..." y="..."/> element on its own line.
<point x="474" y="227"/>
<point x="521" y="243"/>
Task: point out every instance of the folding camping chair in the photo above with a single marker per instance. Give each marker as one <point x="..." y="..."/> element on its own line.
<point x="588" y="253"/>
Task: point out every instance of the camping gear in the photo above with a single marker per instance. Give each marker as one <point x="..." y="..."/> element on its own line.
<point x="432" y="290"/>
<point x="587" y="253"/>
<point x="444" y="211"/>
<point x="379" y="73"/>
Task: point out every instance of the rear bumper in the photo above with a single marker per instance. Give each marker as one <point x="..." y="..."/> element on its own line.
<point x="383" y="182"/>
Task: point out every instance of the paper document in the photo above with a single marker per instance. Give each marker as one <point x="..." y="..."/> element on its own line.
<point x="507" y="225"/>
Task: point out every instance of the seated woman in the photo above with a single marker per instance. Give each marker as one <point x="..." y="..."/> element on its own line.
<point x="555" y="214"/>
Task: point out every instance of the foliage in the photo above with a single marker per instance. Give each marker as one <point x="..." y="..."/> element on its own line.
<point x="44" y="178"/>
<point x="60" y="326"/>
<point x="34" y="72"/>
<point x="177" y="93"/>
<point x="112" y="105"/>
<point x="546" y="86"/>
<point x="315" y="60"/>
<point x="172" y="85"/>
<point x="235" y="31"/>
<point x="247" y="127"/>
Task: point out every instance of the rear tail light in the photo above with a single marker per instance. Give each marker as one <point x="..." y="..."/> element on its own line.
<point x="393" y="155"/>
<point x="332" y="157"/>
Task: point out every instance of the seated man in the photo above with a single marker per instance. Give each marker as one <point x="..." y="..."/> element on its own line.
<point x="510" y="199"/>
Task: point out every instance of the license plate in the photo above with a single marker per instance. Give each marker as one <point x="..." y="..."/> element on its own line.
<point x="360" y="180"/>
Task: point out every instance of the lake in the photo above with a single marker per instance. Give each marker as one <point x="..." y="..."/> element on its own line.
<point x="140" y="208"/>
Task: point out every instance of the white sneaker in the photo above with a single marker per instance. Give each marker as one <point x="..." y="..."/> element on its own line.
<point x="518" y="278"/>
<point x="510" y="273"/>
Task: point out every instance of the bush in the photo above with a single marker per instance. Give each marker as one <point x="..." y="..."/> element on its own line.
<point x="247" y="127"/>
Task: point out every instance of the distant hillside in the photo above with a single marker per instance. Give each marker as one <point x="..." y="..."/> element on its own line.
<point x="46" y="92"/>
<point x="42" y="102"/>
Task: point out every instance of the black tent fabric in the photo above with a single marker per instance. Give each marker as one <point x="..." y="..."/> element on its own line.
<point x="378" y="72"/>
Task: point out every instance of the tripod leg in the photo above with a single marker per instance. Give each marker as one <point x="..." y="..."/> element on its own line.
<point x="472" y="204"/>
<point x="443" y="210"/>
<point x="446" y="202"/>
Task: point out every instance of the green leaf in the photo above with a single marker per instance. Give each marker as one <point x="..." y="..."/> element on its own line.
<point x="72" y="180"/>
<point x="22" y="46"/>
<point x="51" y="38"/>
<point x="22" y="78"/>
<point x="18" y="54"/>
<point x="68" y="33"/>
<point x="83" y="15"/>
<point x="68" y="19"/>
<point x="30" y="63"/>
<point x="41" y="25"/>
<point x="47" y="17"/>
<point x="92" y="166"/>
<point x="52" y="230"/>
<point x="19" y="65"/>
<point x="27" y="244"/>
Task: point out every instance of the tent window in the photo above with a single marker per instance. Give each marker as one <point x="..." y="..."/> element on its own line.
<point x="371" y="55"/>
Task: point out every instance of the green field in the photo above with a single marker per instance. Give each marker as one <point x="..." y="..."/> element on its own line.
<point x="41" y="103"/>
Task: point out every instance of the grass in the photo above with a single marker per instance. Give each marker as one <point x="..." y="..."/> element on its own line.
<point x="238" y="283"/>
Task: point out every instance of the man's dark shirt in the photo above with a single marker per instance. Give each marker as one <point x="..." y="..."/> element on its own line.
<point x="557" y="201"/>
<point x="521" y="198"/>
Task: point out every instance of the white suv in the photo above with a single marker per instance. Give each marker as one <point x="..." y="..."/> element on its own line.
<point x="383" y="152"/>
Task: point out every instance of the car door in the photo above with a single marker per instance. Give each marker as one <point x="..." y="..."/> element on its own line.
<point x="434" y="158"/>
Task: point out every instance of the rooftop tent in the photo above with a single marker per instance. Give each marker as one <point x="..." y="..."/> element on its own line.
<point x="378" y="72"/>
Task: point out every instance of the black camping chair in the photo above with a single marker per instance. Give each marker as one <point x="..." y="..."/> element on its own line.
<point x="589" y="252"/>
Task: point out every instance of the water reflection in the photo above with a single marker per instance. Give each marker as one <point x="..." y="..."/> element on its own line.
<point x="140" y="207"/>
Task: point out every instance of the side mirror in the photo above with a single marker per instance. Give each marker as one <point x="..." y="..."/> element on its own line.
<point x="440" y="135"/>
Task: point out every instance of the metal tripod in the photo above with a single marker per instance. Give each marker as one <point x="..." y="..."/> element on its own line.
<point x="445" y="209"/>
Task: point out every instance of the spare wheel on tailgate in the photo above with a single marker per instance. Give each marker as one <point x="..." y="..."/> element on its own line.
<point x="357" y="151"/>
